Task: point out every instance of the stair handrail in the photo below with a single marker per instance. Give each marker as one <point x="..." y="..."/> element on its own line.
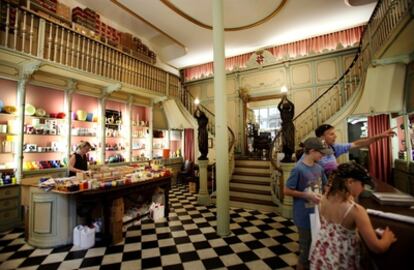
<point x="352" y="79"/>
<point x="384" y="19"/>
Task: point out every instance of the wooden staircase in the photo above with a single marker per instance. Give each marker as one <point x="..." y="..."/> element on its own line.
<point x="250" y="185"/>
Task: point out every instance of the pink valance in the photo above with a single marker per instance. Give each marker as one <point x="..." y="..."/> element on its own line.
<point x="315" y="45"/>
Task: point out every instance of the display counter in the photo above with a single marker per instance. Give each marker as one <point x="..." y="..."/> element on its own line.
<point x="399" y="256"/>
<point x="53" y="215"/>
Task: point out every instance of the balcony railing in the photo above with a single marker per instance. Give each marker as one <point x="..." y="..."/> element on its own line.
<point x="25" y="31"/>
<point x="386" y="17"/>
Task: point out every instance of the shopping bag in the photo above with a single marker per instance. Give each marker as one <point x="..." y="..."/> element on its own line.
<point x="87" y="237"/>
<point x="315" y="223"/>
<point x="156" y="211"/>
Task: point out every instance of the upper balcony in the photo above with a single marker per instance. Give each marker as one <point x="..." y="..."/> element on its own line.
<point x="64" y="51"/>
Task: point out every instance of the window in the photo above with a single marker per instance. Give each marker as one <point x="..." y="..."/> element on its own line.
<point x="268" y="118"/>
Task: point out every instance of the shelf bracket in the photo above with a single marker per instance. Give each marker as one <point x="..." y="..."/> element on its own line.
<point x="28" y="68"/>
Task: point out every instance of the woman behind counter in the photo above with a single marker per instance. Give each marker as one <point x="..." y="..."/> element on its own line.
<point x="78" y="162"/>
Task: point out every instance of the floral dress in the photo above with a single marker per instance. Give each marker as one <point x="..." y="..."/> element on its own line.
<point x="336" y="246"/>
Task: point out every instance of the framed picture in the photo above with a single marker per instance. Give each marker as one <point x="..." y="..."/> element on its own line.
<point x="210" y="142"/>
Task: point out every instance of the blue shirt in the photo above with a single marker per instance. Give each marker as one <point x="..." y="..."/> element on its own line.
<point x="306" y="179"/>
<point x="328" y="162"/>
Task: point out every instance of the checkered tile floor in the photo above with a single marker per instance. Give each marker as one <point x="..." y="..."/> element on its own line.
<point x="188" y="240"/>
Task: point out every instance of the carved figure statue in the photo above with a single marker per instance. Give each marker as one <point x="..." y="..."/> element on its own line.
<point x="202" y="121"/>
<point x="287" y="111"/>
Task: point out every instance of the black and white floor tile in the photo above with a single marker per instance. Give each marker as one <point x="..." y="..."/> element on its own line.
<point x="258" y="241"/>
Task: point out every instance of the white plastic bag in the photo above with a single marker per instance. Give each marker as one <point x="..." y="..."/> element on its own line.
<point x="87" y="237"/>
<point x="156" y="211"/>
<point x="315" y="223"/>
<point x="77" y="235"/>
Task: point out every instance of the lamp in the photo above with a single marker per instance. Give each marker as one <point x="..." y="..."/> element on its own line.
<point x="196" y="101"/>
<point x="284" y="89"/>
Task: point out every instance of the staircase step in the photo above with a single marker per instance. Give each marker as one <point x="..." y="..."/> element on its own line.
<point x="252" y="163"/>
<point x="252" y="174"/>
<point x="250" y="195"/>
<point x="253" y="186"/>
<point x="260" y="170"/>
<point x="250" y="190"/>
<point x="252" y="201"/>
<point x="251" y="178"/>
<point x="251" y="182"/>
<point x="253" y="166"/>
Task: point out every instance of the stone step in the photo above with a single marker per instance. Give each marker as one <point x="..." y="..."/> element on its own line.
<point x="250" y="178"/>
<point x="257" y="170"/>
<point x="250" y="190"/>
<point x="265" y="182"/>
<point x="261" y="163"/>
<point x="249" y="186"/>
<point x="251" y="195"/>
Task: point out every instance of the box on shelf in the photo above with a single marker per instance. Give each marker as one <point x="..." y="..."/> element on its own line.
<point x="63" y="11"/>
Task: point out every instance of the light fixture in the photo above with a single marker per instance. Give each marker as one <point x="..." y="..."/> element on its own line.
<point x="196" y="101"/>
<point x="284" y="89"/>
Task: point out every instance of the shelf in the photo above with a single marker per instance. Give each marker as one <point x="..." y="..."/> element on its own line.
<point x="46" y="152"/>
<point x="9" y="185"/>
<point x="7" y="114"/>
<point x="7" y="169"/>
<point x="138" y="138"/>
<point x="35" y="7"/>
<point x="44" y="117"/>
<point x="115" y="150"/>
<point x="117" y="137"/>
<point x="84" y="136"/>
<point x="80" y="121"/>
<point x="43" y="135"/>
<point x="44" y="171"/>
<point x="7" y="134"/>
<point x="5" y="153"/>
<point x="136" y="149"/>
<point x="136" y="126"/>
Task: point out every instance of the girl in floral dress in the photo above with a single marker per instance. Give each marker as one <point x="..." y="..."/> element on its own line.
<point x="336" y="246"/>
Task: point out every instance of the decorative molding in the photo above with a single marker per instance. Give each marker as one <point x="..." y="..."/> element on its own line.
<point x="260" y="58"/>
<point x="229" y="29"/>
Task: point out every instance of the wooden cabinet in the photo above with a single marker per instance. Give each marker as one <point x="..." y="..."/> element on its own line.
<point x="10" y="214"/>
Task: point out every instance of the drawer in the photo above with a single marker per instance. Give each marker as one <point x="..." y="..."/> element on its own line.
<point x="7" y="192"/>
<point x="9" y="203"/>
<point x="6" y="216"/>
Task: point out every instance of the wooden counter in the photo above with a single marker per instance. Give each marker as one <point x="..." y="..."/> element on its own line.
<point x="52" y="215"/>
<point x="400" y="254"/>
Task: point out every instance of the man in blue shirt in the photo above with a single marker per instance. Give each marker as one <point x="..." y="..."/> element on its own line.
<point x="327" y="133"/>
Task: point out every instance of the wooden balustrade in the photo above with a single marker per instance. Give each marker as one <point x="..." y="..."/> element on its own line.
<point x="385" y="19"/>
<point x="26" y="32"/>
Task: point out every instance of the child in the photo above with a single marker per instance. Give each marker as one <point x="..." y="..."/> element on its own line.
<point x="336" y="246"/>
<point x="305" y="186"/>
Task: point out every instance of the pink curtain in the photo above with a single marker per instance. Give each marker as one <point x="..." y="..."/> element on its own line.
<point x="345" y="38"/>
<point x="379" y="151"/>
<point x="189" y="144"/>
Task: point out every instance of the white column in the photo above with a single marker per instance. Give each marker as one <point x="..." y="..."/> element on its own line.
<point x="21" y="104"/>
<point x="128" y="127"/>
<point x="102" y="141"/>
<point x="220" y="107"/>
<point x="70" y="89"/>
<point x="150" y="130"/>
<point x="203" y="197"/>
<point x="26" y="71"/>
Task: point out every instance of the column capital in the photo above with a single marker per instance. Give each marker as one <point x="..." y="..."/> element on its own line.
<point x="112" y="88"/>
<point x="71" y="86"/>
<point x="28" y="68"/>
